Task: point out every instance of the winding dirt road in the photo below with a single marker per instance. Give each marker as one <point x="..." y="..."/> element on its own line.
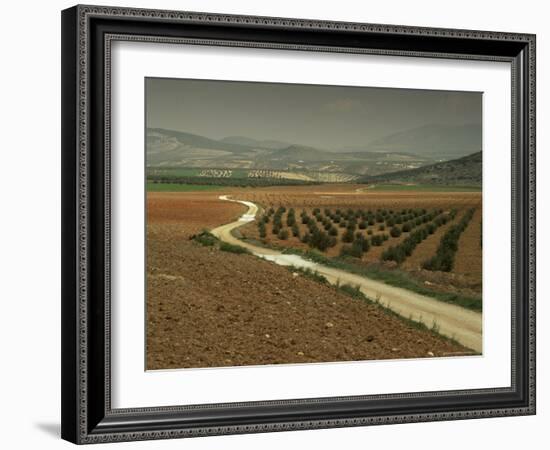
<point x="461" y="324"/>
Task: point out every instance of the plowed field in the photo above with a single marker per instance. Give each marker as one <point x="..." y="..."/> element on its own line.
<point x="208" y="308"/>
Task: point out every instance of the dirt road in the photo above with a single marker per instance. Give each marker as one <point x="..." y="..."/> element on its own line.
<point x="450" y="320"/>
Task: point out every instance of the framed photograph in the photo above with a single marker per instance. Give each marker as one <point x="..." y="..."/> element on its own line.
<point x="280" y="224"/>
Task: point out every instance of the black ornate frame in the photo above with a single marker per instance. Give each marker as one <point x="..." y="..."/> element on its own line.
<point x="87" y="33"/>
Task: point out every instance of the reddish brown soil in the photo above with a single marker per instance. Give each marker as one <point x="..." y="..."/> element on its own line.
<point x="344" y="196"/>
<point x="192" y="212"/>
<point x="468" y="258"/>
<point x="207" y="308"/>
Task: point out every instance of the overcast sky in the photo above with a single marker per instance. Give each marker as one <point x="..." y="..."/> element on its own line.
<point x="329" y="117"/>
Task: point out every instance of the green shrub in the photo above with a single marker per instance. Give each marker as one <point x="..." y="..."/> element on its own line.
<point x="351" y="250"/>
<point x="357" y="248"/>
<point x="283" y="235"/>
<point x="320" y="240"/>
<point x="348" y="235"/>
<point x="376" y="240"/>
<point x="205" y="238"/>
<point x="395" y="231"/>
<point x="262" y="231"/>
<point x="364" y="243"/>
<point x="226" y="247"/>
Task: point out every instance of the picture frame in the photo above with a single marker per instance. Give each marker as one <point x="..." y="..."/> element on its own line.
<point x="87" y="35"/>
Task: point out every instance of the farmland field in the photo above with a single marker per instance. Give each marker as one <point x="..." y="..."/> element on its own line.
<point x="422" y="187"/>
<point x="176" y="187"/>
<point x="221" y="301"/>
<point x="466" y="274"/>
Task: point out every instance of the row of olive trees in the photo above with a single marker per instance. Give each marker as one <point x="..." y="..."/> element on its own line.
<point x="322" y="228"/>
<point x="402" y="251"/>
<point x="444" y="257"/>
<point x="315" y="237"/>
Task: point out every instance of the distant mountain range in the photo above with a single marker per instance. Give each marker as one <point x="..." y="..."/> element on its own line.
<point x="249" y="142"/>
<point x="169" y="148"/>
<point x="405" y="150"/>
<point x="439" y="142"/>
<point x="465" y="171"/>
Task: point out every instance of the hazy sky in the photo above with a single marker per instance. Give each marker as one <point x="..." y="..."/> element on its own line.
<point x="321" y="116"/>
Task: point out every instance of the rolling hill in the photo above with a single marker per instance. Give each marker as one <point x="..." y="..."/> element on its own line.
<point x="440" y="142"/>
<point x="195" y="140"/>
<point x="465" y="171"/>
<point x="249" y="142"/>
<point x="176" y="149"/>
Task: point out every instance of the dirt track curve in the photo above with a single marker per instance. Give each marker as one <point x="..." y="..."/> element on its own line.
<point x="461" y="324"/>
